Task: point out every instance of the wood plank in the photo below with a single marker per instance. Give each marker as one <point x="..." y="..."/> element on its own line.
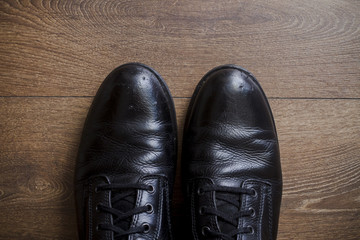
<point x="39" y="139"/>
<point x="296" y="48"/>
<point x="320" y="149"/>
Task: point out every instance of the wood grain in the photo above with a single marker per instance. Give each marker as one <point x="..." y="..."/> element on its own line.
<point x="297" y="48"/>
<point x="305" y="53"/>
<point x="320" y="149"/>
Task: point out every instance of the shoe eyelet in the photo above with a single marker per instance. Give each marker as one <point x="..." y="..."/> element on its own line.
<point x="204" y="230"/>
<point x="146" y="227"/>
<point x="96" y="189"/>
<point x="252" y="212"/>
<point x="151" y="189"/>
<point x="97" y="208"/>
<point x="253" y="192"/>
<point x="201" y="210"/>
<point x="150" y="208"/>
<point x="200" y="191"/>
<point x="97" y="228"/>
<point x="251" y="230"/>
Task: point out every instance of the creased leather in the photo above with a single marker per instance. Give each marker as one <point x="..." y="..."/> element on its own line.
<point x="230" y="138"/>
<point x="130" y="134"/>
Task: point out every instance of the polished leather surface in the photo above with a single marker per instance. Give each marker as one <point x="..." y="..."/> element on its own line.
<point x="230" y="140"/>
<point x="129" y="136"/>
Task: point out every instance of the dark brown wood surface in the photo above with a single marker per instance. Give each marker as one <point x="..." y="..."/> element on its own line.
<point x="305" y="54"/>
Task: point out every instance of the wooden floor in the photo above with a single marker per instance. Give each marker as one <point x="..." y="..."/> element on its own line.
<point x="305" y="54"/>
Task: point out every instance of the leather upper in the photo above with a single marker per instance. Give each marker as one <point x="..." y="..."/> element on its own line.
<point x="230" y="140"/>
<point x="129" y="136"/>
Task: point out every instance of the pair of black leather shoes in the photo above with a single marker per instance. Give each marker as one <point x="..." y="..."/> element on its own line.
<point x="127" y="156"/>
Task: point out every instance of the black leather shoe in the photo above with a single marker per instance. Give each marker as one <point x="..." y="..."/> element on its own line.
<point x="126" y="160"/>
<point x="230" y="159"/>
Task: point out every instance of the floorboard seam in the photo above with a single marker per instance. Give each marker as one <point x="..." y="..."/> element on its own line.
<point x="280" y="98"/>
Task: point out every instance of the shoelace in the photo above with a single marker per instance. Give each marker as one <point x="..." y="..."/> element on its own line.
<point x="229" y="218"/>
<point x="121" y="193"/>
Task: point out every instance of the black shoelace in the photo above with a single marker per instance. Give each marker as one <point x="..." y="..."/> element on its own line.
<point x="231" y="219"/>
<point x="123" y="197"/>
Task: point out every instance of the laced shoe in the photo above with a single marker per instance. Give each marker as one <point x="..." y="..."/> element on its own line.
<point x="126" y="159"/>
<point x="230" y="159"/>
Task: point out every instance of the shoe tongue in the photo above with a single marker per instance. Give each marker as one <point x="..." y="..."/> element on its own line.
<point x="124" y="205"/>
<point x="227" y="208"/>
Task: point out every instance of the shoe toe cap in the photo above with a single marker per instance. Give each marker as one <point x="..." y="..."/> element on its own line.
<point x="130" y="126"/>
<point x="232" y="94"/>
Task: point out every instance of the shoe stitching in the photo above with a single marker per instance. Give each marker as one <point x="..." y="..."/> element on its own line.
<point x="193" y="215"/>
<point x="270" y="212"/>
<point x="168" y="208"/>
<point x="261" y="210"/>
<point x="90" y="210"/>
<point x="161" y="207"/>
